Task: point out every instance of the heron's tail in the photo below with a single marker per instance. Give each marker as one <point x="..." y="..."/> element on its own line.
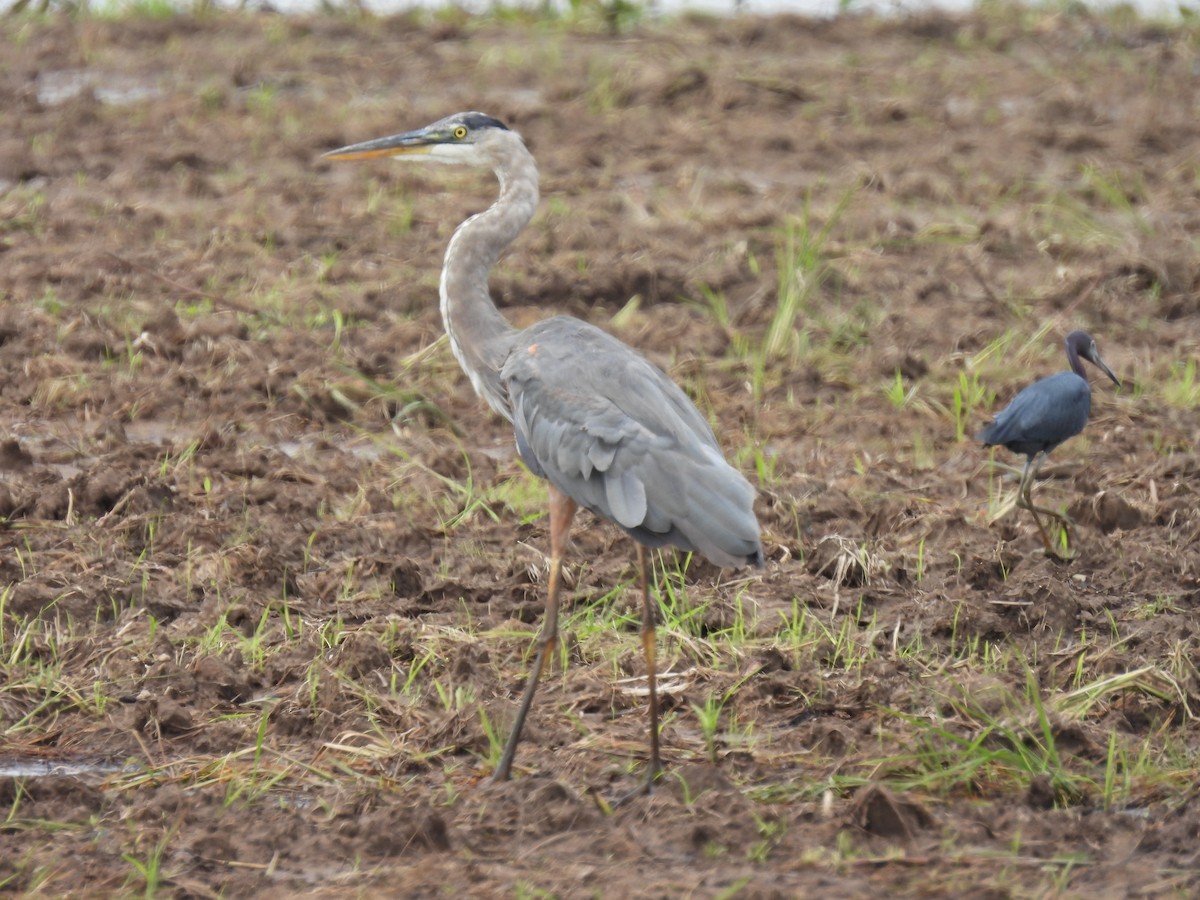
<point x="705" y="506"/>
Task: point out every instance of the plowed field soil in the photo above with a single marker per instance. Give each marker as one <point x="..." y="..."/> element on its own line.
<point x="271" y="572"/>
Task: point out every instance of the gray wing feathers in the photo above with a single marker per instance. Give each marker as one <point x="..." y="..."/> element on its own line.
<point x="702" y="505"/>
<point x="626" y="496"/>
<point x="615" y="434"/>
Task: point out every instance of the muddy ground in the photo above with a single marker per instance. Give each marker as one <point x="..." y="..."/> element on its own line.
<point x="271" y="571"/>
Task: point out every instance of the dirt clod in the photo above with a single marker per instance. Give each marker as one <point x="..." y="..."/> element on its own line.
<point x="882" y="813"/>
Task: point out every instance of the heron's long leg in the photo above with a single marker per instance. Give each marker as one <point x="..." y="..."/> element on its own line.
<point x="1063" y="521"/>
<point x="1032" y="464"/>
<point x="562" y="511"/>
<point x="649" y="644"/>
<point x="1026" y="501"/>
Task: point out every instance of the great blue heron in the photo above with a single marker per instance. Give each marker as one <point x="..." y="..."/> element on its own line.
<point x="606" y="428"/>
<point x="1044" y="415"/>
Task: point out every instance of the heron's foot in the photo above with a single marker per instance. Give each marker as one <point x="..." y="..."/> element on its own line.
<point x="1062" y="548"/>
<point x="502" y="774"/>
<point x="653" y="774"/>
<point x="1059" y="545"/>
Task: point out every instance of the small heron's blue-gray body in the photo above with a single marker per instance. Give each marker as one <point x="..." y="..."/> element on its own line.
<point x="1045" y="414"/>
<point x="605" y="427"/>
<point x="1042" y="416"/>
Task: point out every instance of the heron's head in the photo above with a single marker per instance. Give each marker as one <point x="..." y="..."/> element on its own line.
<point x="1083" y="344"/>
<point x="469" y="138"/>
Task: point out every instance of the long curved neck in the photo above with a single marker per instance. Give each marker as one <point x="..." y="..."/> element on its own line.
<point x="480" y="337"/>
<point x="1075" y="361"/>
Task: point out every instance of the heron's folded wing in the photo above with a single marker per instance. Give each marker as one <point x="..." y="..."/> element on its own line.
<point x="1047" y="412"/>
<point x="617" y="445"/>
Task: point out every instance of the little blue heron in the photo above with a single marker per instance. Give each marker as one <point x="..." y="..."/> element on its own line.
<point x="1045" y="414"/>
<point x="605" y="427"/>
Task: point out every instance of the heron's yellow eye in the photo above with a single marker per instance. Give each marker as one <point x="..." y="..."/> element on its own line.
<point x="460" y="132"/>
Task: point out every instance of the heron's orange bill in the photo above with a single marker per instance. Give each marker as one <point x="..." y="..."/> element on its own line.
<point x="411" y="143"/>
<point x="357" y="151"/>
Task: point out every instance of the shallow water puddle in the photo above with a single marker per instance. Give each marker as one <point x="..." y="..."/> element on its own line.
<point x="154" y="431"/>
<point x="41" y="767"/>
<point x="369" y="450"/>
<point x="61" y="85"/>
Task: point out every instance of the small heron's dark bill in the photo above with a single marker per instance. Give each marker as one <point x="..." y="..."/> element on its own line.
<point x="1107" y="371"/>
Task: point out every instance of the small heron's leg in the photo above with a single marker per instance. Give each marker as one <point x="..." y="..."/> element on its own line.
<point x="1053" y="514"/>
<point x="1032" y="464"/>
<point x="1065" y="524"/>
<point x="1025" y="500"/>
<point x="1027" y="483"/>
<point x="649" y="641"/>
<point x="1062" y="518"/>
<point x="562" y="511"/>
